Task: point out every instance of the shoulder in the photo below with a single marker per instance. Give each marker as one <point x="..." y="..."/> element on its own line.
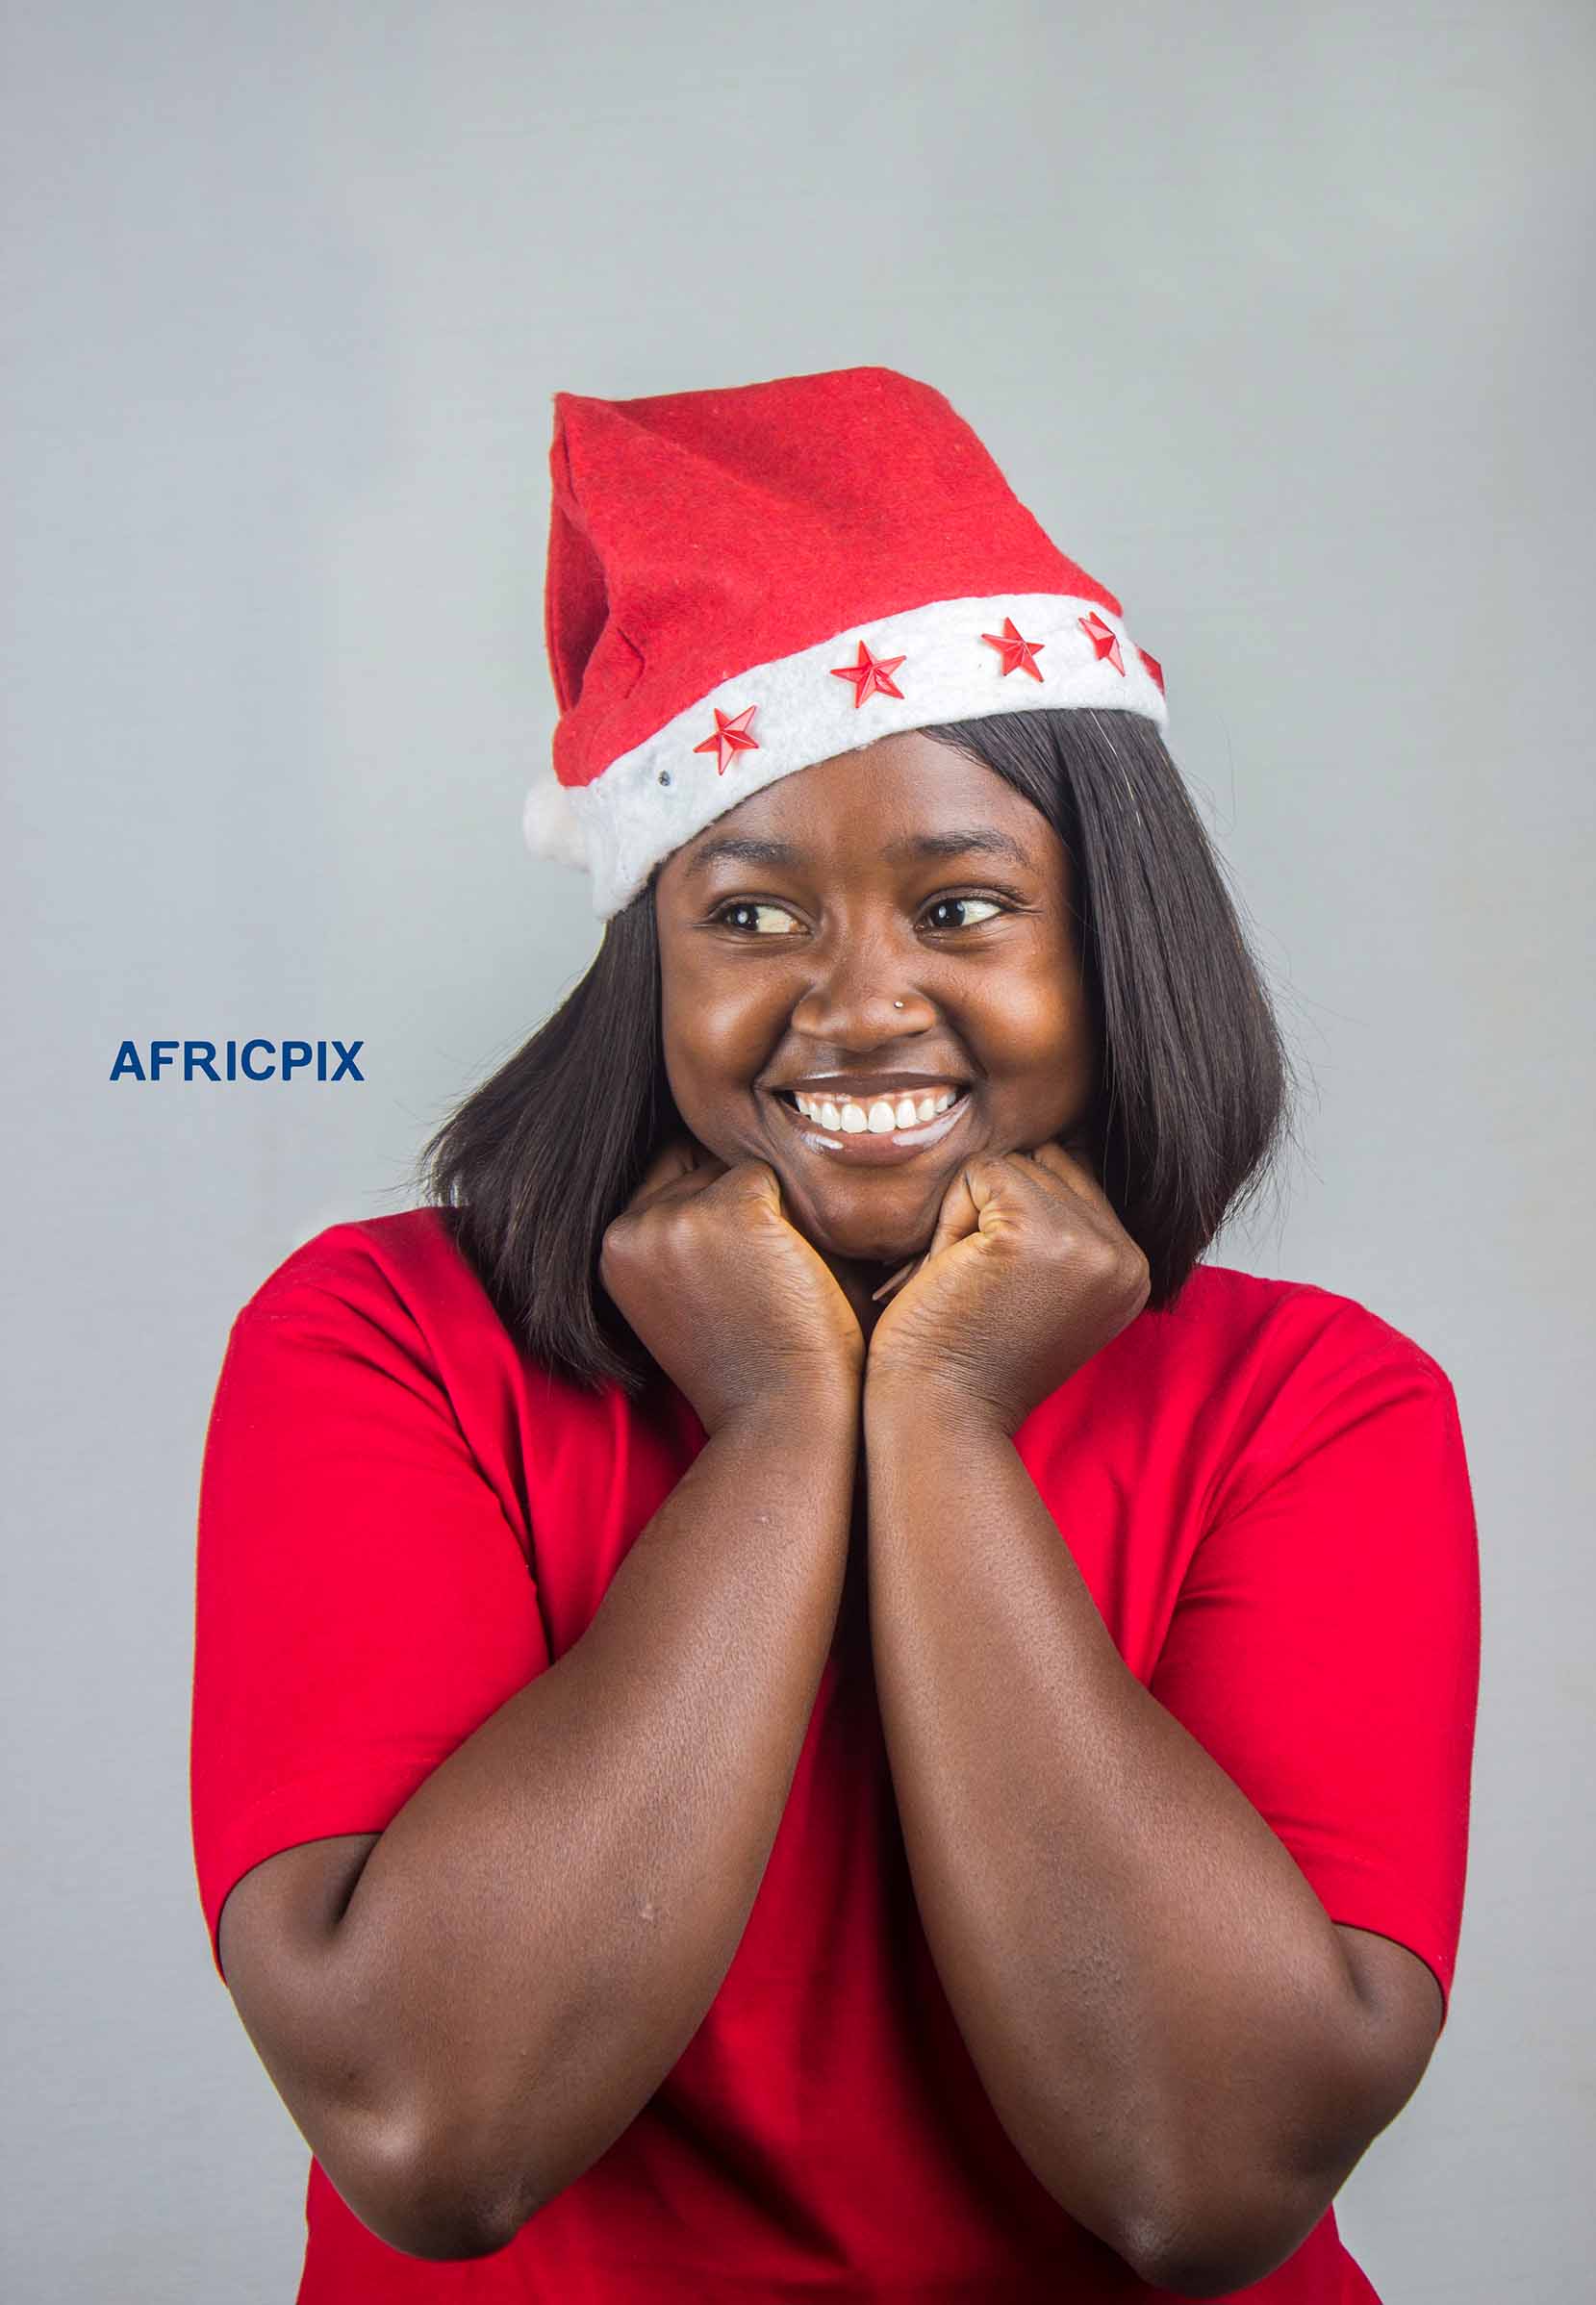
<point x="1284" y="1373"/>
<point x="1262" y="1370"/>
<point x="410" y="1258"/>
<point x="397" y="1297"/>
<point x="1276" y="1325"/>
<point x="399" y="1277"/>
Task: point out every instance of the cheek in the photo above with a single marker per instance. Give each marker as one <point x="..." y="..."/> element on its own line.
<point x="1042" y="1056"/>
<point x="1044" y="1021"/>
<point x="713" y="1042"/>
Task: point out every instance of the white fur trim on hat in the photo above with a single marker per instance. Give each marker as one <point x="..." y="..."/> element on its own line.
<point x="652" y="801"/>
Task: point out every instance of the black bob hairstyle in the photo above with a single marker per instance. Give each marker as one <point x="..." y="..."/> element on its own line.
<point x="1195" y="1087"/>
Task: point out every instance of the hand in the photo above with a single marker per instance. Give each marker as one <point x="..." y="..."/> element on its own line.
<point x="1028" y="1273"/>
<point x="732" y="1301"/>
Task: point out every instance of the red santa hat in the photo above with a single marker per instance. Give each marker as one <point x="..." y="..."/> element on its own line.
<point x="743" y="582"/>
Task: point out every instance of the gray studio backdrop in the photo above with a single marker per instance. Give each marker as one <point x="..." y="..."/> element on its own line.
<point x="1284" y="327"/>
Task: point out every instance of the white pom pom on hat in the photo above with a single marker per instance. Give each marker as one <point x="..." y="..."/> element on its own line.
<point x="549" y="823"/>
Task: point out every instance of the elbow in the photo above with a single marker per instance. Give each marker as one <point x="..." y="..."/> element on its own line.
<point x="446" y="2228"/>
<point x="418" y="2194"/>
<point x="450" y="2182"/>
<point x="437" y="2235"/>
<point x="1185" y="2277"/>
<point x="1190" y="2259"/>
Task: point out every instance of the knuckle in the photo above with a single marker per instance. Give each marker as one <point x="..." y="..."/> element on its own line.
<point x="1136" y="1275"/>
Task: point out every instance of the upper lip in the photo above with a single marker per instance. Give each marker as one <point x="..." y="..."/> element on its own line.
<point x="861" y="1085"/>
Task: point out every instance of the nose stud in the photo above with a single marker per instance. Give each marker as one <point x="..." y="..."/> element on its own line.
<point x="897" y="1005"/>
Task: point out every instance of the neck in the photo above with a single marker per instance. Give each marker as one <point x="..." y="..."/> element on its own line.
<point x="856" y="1276"/>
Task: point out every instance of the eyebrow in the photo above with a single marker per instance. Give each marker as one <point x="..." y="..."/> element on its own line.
<point x="980" y="840"/>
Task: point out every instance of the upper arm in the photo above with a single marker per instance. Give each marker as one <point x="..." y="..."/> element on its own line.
<point x="1402" y="2003"/>
<point x="1324" y="1646"/>
<point x="362" y="1607"/>
<point x="288" y="1976"/>
<point x="276" y="1941"/>
<point x="1324" y="1649"/>
<point x="362" y="1602"/>
<point x="1394" y="2016"/>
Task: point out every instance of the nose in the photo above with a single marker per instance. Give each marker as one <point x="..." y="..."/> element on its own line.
<point x="866" y="994"/>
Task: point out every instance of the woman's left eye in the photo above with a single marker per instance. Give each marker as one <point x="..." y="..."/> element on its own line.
<point x="941" y="903"/>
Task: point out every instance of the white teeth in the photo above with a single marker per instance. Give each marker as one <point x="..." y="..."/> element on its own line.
<point x="881" y="1117"/>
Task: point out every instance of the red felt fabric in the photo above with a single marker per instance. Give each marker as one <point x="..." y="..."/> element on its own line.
<point x="696" y="535"/>
<point x="402" y="1520"/>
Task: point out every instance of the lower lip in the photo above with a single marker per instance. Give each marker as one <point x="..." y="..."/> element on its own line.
<point x="865" y="1146"/>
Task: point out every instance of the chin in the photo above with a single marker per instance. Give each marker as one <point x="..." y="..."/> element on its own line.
<point x="860" y="1243"/>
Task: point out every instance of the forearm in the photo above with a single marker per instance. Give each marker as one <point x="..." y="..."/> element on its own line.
<point x="1149" y="1988"/>
<point x="540" y="1929"/>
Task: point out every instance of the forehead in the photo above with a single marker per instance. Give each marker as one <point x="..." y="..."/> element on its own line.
<point x="903" y="802"/>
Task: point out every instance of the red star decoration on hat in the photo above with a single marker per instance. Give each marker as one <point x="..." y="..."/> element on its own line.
<point x="1154" y="667"/>
<point x="870" y="675"/>
<point x="730" y="736"/>
<point x="1105" y="643"/>
<point x="1018" y="655"/>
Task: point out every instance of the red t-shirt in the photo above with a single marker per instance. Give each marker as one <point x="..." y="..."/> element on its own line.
<point x="402" y="1519"/>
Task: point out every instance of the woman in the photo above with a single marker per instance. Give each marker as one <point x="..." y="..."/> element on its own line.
<point x="792" y="1696"/>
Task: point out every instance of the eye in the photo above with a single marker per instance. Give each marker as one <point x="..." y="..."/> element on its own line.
<point x="941" y="904"/>
<point x="722" y="917"/>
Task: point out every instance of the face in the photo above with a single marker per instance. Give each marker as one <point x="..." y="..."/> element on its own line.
<point x="862" y="882"/>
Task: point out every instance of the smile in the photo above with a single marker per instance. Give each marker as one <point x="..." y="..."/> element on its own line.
<point x="867" y="1148"/>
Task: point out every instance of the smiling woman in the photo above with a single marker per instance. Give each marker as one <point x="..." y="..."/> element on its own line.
<point x="793" y="1694"/>
<point x="1010" y="880"/>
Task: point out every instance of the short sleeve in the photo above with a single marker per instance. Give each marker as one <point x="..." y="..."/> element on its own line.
<point x="362" y="1602"/>
<point x="1325" y="1643"/>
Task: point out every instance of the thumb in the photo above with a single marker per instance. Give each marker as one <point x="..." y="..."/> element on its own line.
<point x="755" y="1181"/>
<point x="679" y="1157"/>
<point x="958" y="1216"/>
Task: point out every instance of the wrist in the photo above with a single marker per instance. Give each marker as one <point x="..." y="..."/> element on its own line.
<point x="808" y="1412"/>
<point x="896" y="1402"/>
